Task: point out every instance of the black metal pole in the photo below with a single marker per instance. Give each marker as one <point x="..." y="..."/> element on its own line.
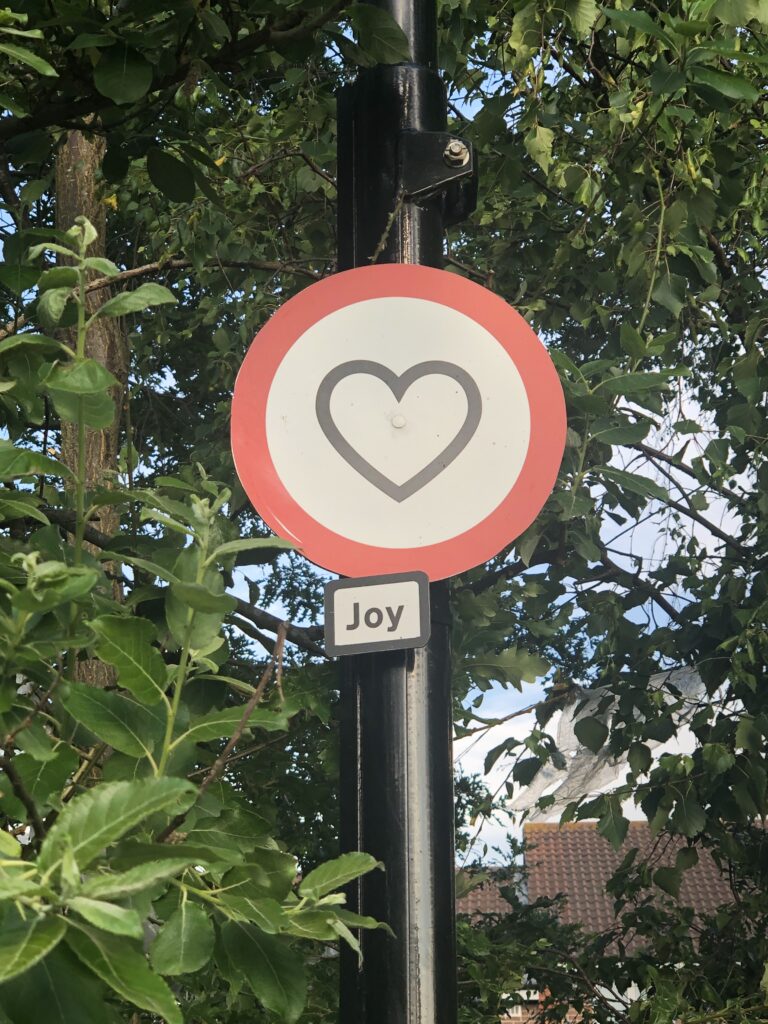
<point x="396" y="720"/>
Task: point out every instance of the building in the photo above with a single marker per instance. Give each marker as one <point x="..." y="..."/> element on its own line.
<point x="575" y="861"/>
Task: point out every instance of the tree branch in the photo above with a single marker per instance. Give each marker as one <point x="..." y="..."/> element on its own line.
<point x="642" y="584"/>
<point x="302" y="636"/>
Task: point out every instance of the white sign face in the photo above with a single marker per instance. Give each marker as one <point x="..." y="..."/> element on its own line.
<point x="379" y="394"/>
<point x="395" y="419"/>
<point x="377" y="613"/>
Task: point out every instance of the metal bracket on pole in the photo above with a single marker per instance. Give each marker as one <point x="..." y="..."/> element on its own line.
<point x="438" y="163"/>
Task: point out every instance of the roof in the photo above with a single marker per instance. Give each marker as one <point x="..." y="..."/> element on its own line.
<point x="484" y="899"/>
<point x="574" y="859"/>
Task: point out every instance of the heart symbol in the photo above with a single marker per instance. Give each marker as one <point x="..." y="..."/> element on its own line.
<point x="398" y="385"/>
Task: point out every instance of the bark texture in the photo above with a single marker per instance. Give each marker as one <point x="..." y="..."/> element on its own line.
<point x="78" y="195"/>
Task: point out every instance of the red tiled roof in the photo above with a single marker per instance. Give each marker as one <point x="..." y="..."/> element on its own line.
<point x="485" y="899"/>
<point x="574" y="859"/>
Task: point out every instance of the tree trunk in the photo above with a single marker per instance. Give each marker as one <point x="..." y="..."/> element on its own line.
<point x="78" y="194"/>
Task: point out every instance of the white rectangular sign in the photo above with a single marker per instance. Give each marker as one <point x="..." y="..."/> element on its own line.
<point x="377" y="613"/>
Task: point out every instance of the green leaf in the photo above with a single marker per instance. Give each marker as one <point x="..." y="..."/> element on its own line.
<point x="9" y="846"/>
<point x="740" y="12"/>
<point x="80" y="377"/>
<point x="44" y="780"/>
<point x="126" y="643"/>
<point x="638" y="20"/>
<point x="262" y="911"/>
<point x="688" y="817"/>
<point x="203" y="600"/>
<point x="141" y="298"/>
<point x="98" y="818"/>
<point x="717" y="758"/>
<point x="628" y="433"/>
<point x="122" y="75"/>
<point x="41" y="66"/>
<point x="97" y="410"/>
<point x="204" y="626"/>
<point x="127" y="883"/>
<point x="125" y="970"/>
<point x="122" y="723"/>
<point x="670" y="292"/>
<point x="631" y="341"/>
<point x="23" y="462"/>
<point x="635" y="482"/>
<point x="639" y="758"/>
<point x="101" y="266"/>
<point x="58" y="277"/>
<point x="748" y="736"/>
<point x="28" y="341"/>
<point x="526" y="769"/>
<point x="51" y="306"/>
<point x="21" y="506"/>
<point x="108" y="916"/>
<point x="184" y="943"/>
<point x="538" y="144"/>
<point x="591" y="732"/>
<point x="727" y="83"/>
<point x="249" y="544"/>
<point x="668" y="879"/>
<point x="612" y="824"/>
<point x="274" y="973"/>
<point x="219" y="723"/>
<point x="335" y="873"/>
<point x="57" y="990"/>
<point x="24" y="943"/>
<point x="170" y="175"/>
<point x="582" y="14"/>
<point x="18" y="278"/>
<point x="379" y="35"/>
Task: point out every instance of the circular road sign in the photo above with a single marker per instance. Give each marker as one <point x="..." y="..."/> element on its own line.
<point x="398" y="418"/>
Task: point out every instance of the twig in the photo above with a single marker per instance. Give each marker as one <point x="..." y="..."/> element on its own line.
<point x="20" y="792"/>
<point x="471" y="271"/>
<point x="318" y="169"/>
<point x="642" y="584"/>
<point x="221" y="761"/>
<point x="35" y="711"/>
<point x="242" y="753"/>
<point x="276" y="665"/>
<point x="253" y="632"/>
<point x="388" y="227"/>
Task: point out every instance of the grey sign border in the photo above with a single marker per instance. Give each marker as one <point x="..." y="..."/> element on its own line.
<point x="372" y="646"/>
<point x="398" y="384"/>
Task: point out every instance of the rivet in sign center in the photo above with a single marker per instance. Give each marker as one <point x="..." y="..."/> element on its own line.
<point x="398" y="421"/>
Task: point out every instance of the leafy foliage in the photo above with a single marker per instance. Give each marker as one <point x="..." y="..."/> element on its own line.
<point x="622" y="210"/>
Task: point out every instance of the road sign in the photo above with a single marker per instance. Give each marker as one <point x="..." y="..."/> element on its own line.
<point x="397" y="418"/>
<point x="377" y="613"/>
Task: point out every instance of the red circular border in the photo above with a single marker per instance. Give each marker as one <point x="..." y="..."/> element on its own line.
<point x="348" y="557"/>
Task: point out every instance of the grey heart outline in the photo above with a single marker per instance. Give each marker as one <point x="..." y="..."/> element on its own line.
<point x="398" y="384"/>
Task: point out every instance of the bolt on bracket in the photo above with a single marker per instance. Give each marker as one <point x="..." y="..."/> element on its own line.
<point x="439" y="164"/>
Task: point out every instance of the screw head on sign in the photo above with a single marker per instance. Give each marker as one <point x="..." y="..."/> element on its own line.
<point x="456" y="153"/>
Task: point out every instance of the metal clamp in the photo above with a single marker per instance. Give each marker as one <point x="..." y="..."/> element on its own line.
<point x="439" y="164"/>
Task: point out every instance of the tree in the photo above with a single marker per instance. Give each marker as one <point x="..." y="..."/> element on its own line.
<point x="622" y="210"/>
